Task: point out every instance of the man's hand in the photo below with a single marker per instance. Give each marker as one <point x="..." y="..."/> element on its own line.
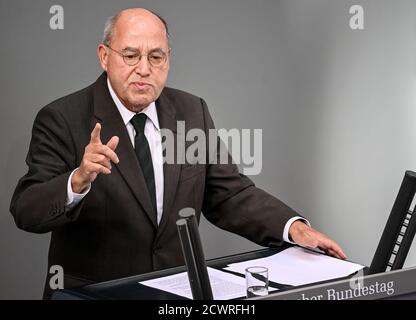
<point x="308" y="237"/>
<point x="97" y="159"/>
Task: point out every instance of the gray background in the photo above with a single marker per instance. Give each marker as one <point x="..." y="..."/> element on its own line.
<point x="337" y="107"/>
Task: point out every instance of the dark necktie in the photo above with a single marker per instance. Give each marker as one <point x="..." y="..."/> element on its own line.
<point x="144" y="156"/>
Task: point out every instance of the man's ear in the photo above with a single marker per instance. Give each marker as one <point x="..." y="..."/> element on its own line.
<point x="103" y="56"/>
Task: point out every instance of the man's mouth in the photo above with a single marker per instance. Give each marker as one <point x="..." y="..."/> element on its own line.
<point x="141" y="85"/>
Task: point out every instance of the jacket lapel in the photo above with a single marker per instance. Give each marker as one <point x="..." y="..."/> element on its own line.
<point x="112" y="125"/>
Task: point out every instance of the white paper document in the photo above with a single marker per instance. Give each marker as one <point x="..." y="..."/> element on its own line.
<point x="224" y="285"/>
<point x="297" y="266"/>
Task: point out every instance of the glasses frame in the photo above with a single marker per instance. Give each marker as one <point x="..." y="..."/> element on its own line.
<point x="139" y="56"/>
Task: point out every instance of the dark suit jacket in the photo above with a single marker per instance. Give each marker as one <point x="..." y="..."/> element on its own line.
<point x="112" y="233"/>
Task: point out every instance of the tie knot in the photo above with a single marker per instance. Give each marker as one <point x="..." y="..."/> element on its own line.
<point x="138" y="122"/>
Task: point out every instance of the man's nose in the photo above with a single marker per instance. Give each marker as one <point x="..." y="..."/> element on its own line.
<point x="143" y="67"/>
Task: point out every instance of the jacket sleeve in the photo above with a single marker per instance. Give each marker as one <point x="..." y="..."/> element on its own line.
<point x="38" y="203"/>
<point x="232" y="201"/>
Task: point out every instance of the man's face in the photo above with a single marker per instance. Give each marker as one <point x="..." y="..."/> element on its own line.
<point x="136" y="86"/>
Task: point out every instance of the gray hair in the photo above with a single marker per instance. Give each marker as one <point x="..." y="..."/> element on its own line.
<point x="111" y="22"/>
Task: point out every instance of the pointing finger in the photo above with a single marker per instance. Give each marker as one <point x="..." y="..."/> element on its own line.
<point x="95" y="134"/>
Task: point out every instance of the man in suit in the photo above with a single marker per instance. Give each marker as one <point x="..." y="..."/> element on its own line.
<point x="97" y="180"/>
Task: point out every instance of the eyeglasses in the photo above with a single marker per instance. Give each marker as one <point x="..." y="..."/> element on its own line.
<point x="156" y="58"/>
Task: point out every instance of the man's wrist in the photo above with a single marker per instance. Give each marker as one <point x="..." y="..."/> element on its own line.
<point x="73" y="196"/>
<point x="286" y="234"/>
<point x="78" y="185"/>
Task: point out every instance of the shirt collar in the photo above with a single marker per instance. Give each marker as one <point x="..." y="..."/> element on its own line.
<point x="127" y="115"/>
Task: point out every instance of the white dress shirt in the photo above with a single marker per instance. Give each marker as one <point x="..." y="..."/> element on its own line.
<point x="152" y="133"/>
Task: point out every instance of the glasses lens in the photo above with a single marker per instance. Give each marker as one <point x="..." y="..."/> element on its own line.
<point x="131" y="59"/>
<point x="157" y="58"/>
